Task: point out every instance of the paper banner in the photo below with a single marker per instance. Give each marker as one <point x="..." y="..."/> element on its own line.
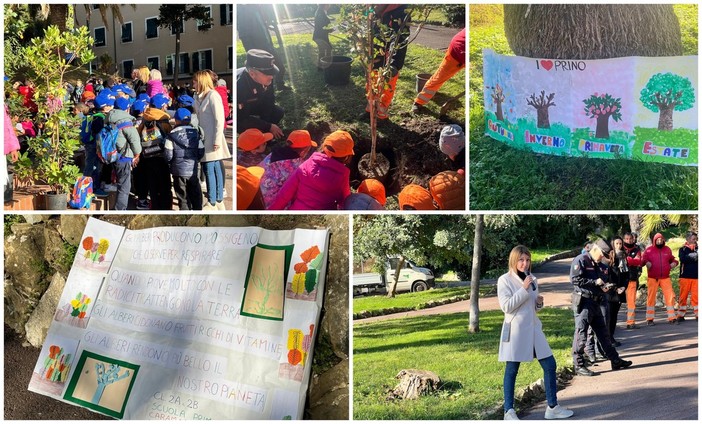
<point x="171" y="335"/>
<point x="642" y="108"/>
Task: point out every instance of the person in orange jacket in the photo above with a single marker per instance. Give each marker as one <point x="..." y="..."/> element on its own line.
<point x="659" y="260"/>
<point x="688" y="275"/>
<point x="454" y="61"/>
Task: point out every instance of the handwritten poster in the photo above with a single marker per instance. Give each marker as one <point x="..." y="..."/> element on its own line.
<point x="642" y="108"/>
<point x="186" y="323"/>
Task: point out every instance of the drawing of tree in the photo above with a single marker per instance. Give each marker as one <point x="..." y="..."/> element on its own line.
<point x="266" y="281"/>
<point x="57" y="364"/>
<point x="105" y="378"/>
<point x="665" y="93"/>
<point x="601" y="107"/>
<point x="541" y="105"/>
<point x="498" y="97"/>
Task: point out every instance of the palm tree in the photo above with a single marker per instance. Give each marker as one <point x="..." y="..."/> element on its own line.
<point x="651" y="223"/>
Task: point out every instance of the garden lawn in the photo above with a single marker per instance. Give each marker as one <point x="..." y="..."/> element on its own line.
<point x="466" y="363"/>
<point x="409" y="300"/>
<point x="562" y="183"/>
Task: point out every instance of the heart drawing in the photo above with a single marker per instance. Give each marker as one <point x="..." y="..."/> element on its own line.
<point x="547" y="64"/>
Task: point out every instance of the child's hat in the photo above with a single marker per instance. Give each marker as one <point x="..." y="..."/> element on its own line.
<point x="122" y="103"/>
<point x="300" y="138"/>
<point x="373" y="188"/>
<point x="361" y="202"/>
<point x="87" y="95"/>
<point x="448" y="188"/>
<point x="139" y="106"/>
<point x="159" y="100"/>
<point x="248" y="181"/>
<point x="252" y="138"/>
<point x="338" y="144"/>
<point x="416" y="196"/>
<point x="182" y="114"/>
<point x="452" y="140"/>
<point x="185" y="100"/>
<point x="104" y="99"/>
<point x="145" y="97"/>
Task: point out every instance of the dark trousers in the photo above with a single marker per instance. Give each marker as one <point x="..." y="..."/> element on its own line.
<point x="188" y="192"/>
<point x="592" y="341"/>
<point x="612" y="318"/>
<point x="590" y="315"/>
<point x="141" y="182"/>
<point x="123" y="169"/>
<point x="158" y="179"/>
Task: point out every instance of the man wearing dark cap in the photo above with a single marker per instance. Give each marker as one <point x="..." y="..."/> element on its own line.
<point x="255" y="97"/>
<point x="589" y="278"/>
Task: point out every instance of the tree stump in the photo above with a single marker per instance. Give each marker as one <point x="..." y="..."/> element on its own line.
<point x="415" y="383"/>
<point x="378" y="171"/>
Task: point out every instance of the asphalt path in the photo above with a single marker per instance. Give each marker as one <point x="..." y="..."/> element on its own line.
<point x="662" y="384"/>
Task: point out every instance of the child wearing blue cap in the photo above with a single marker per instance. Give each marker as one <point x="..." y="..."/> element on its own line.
<point x="183" y="150"/>
<point x="103" y="104"/>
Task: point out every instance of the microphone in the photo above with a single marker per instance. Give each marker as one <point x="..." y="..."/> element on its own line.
<point x="533" y="286"/>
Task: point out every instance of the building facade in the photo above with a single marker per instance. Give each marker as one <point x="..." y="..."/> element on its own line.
<point x="139" y="41"/>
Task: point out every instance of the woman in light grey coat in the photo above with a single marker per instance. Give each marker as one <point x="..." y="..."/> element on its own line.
<point x="210" y="113"/>
<point x="522" y="337"/>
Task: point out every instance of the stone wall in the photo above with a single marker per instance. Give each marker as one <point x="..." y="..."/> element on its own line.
<point x="36" y="252"/>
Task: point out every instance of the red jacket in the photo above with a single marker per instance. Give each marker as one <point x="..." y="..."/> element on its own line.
<point x="661" y="259"/>
<point x="457" y="48"/>
<point x="225" y="100"/>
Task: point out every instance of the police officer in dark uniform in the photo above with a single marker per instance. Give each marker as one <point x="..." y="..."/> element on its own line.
<point x="255" y="96"/>
<point x="589" y="285"/>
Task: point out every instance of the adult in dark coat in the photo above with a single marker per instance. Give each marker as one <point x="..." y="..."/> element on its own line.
<point x="255" y="96"/>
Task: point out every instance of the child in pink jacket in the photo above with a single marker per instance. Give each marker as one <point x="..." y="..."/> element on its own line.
<point x="322" y="181"/>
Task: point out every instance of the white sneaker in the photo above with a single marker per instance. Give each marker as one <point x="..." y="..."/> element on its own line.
<point x="220" y="206"/>
<point x="511" y="415"/>
<point x="209" y="207"/>
<point x="557" y="413"/>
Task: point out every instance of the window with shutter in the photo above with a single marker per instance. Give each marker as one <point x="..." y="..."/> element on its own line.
<point x="151" y="28"/>
<point x="196" y="62"/>
<point x="169" y="65"/>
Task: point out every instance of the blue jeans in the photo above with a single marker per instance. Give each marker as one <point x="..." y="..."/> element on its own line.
<point x="549" y="367"/>
<point x="93" y="166"/>
<point x="214" y="177"/>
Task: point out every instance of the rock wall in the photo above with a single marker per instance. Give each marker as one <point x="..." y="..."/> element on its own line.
<point x="36" y="252"/>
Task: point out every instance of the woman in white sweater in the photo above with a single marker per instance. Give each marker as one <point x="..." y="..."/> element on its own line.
<point x="210" y="113"/>
<point x="522" y="338"/>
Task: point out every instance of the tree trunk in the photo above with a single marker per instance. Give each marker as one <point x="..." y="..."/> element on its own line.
<point x="665" y="119"/>
<point x="415" y="383"/>
<point x="498" y="112"/>
<point x="176" y="59"/>
<point x="592" y="31"/>
<point x="393" y="287"/>
<point x="542" y="118"/>
<point x="602" y="130"/>
<point x="474" y="319"/>
<point x="58" y="15"/>
<point x="635" y="222"/>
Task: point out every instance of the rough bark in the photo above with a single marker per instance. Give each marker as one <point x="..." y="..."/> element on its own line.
<point x="415" y="383"/>
<point x="665" y="118"/>
<point x="474" y="318"/>
<point x="592" y="31"/>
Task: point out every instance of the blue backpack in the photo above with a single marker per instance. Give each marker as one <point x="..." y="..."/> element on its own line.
<point x="86" y="133"/>
<point x="107" y="142"/>
<point x="82" y="195"/>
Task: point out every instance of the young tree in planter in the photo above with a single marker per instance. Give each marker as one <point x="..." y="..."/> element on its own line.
<point x="53" y="150"/>
<point x="374" y="45"/>
<point x="173" y="17"/>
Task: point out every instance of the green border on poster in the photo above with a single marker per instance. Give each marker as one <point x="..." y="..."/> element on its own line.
<point x="288" y="258"/>
<point x="76" y="376"/>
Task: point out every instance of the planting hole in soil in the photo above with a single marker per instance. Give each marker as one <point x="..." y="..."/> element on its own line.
<point x="386" y="165"/>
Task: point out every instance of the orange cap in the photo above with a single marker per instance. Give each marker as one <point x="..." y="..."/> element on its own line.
<point x="373" y="188"/>
<point x="338" y="144"/>
<point x="300" y="138"/>
<point x="248" y="181"/>
<point x="448" y="188"/>
<point x="252" y="138"/>
<point x="416" y="196"/>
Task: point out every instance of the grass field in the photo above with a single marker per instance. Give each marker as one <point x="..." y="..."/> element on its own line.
<point x="466" y="363"/>
<point x="561" y="183"/>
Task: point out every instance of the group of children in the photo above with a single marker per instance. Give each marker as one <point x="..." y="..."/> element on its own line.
<point x="298" y="176"/>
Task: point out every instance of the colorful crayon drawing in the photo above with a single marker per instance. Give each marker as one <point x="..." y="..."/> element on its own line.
<point x="75" y="312"/>
<point x="306" y="278"/>
<point x="54" y="366"/>
<point x="95" y="250"/>
<point x="298" y="345"/>
<point x="57" y="365"/>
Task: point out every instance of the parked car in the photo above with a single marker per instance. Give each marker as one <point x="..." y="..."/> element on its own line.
<point x="412" y="279"/>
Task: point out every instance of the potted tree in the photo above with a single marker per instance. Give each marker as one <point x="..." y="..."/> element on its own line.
<point x="49" y="158"/>
<point x="374" y="45"/>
